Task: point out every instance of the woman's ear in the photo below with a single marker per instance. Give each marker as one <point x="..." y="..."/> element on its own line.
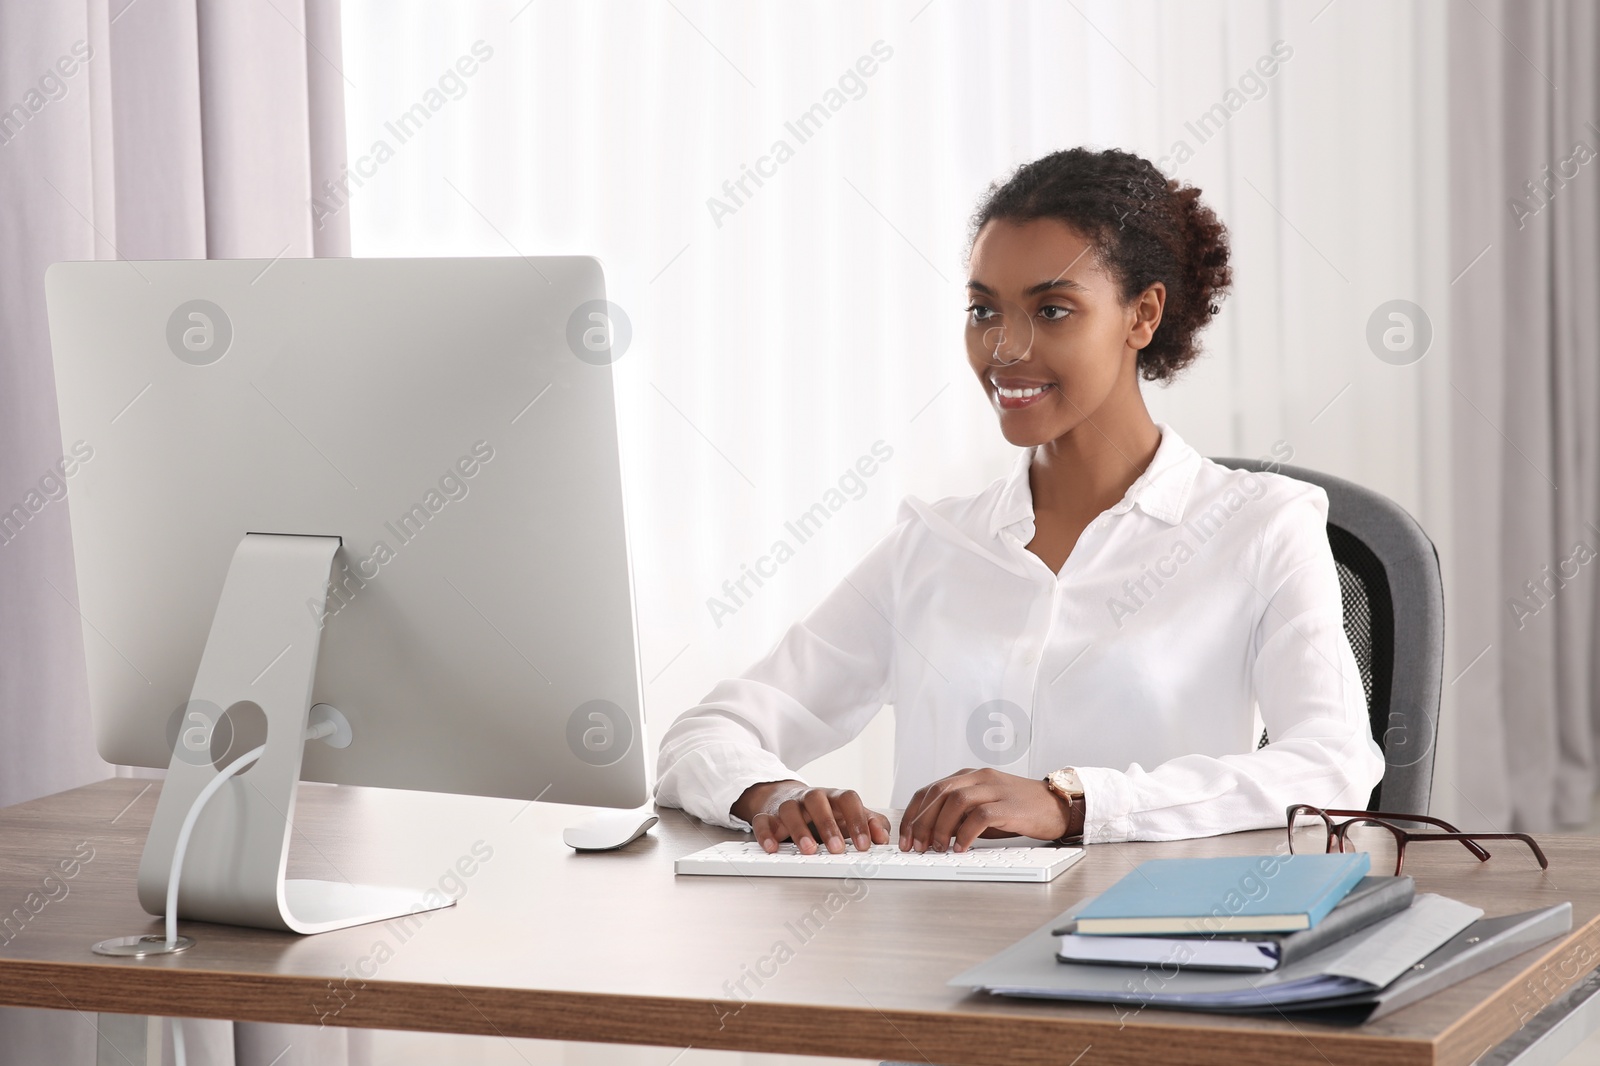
<point x="1145" y="315"/>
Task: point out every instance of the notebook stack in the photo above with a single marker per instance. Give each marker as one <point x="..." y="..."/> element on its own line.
<point x="1312" y="934"/>
<point x="1249" y="913"/>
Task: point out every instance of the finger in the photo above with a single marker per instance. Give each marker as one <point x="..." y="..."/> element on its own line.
<point x="958" y="801"/>
<point x="908" y="817"/>
<point x="979" y="817"/>
<point x="916" y="824"/>
<point x="769" y="832"/>
<point x="878" y="826"/>
<point x="922" y="829"/>
<point x="819" y="808"/>
<point x="794" y="820"/>
<point x="851" y="815"/>
<point x="933" y="828"/>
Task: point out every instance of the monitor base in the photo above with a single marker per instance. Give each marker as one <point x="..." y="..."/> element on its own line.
<point x="318" y="906"/>
<point x="256" y="674"/>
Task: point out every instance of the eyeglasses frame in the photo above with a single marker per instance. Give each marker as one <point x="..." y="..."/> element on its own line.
<point x="1340" y="832"/>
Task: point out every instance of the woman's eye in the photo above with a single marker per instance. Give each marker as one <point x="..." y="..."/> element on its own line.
<point x="1053" y="307"/>
<point x="980" y="313"/>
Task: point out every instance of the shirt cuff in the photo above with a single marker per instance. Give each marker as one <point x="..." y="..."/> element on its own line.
<point x="1108" y="801"/>
<point x="724" y="798"/>
<point x="708" y="781"/>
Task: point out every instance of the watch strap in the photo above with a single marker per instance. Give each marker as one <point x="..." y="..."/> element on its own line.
<point x="1076" y="810"/>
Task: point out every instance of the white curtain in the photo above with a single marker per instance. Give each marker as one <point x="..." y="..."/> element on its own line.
<point x="779" y="330"/>
<point x="1525" y="251"/>
<point x="776" y="342"/>
<point x="783" y="329"/>
<point x="134" y="130"/>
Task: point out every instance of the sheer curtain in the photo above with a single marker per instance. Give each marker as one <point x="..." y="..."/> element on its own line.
<point x="792" y="305"/>
<point x="131" y="131"/>
<point x="781" y="329"/>
<point x="1525" y="250"/>
<point x="784" y="323"/>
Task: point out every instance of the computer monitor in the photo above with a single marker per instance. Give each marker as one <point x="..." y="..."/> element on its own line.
<point x="389" y="489"/>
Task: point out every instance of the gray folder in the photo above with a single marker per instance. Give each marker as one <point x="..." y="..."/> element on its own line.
<point x="1486" y="942"/>
<point x="1431" y="945"/>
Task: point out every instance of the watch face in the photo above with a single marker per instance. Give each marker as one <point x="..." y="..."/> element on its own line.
<point x="1067" y="781"/>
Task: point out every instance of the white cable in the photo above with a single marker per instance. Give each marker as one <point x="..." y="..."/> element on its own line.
<point x="316" y="732"/>
<point x="188" y="827"/>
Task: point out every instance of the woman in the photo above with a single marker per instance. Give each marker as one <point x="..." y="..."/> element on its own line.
<point x="1118" y="602"/>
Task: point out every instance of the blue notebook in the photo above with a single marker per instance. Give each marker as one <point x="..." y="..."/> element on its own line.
<point x="1236" y="894"/>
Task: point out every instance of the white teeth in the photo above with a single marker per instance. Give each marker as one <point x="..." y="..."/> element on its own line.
<point x="1021" y="394"/>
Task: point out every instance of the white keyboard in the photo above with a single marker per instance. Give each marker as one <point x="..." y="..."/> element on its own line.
<point x="882" y="862"/>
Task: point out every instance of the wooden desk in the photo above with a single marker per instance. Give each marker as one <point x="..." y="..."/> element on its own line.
<point x="612" y="947"/>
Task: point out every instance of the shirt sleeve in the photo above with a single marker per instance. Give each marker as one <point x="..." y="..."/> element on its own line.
<point x="1309" y="691"/>
<point x="813" y="692"/>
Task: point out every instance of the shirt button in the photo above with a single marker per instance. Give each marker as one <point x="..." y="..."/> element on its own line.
<point x="1028" y="659"/>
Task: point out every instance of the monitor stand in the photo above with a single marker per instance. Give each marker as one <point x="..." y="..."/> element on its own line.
<point x="261" y="653"/>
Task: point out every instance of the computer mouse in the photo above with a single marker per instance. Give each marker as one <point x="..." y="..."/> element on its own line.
<point x="607" y="832"/>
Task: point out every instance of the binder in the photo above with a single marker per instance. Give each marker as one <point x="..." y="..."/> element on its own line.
<point x="1363" y="977"/>
<point x="1485" y="943"/>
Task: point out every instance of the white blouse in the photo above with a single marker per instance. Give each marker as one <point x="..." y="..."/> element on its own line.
<point x="1201" y="607"/>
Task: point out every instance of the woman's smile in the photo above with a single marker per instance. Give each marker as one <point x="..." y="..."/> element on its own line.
<point x="1014" y="394"/>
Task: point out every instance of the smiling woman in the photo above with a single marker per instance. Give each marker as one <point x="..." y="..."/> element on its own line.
<point x="1088" y="271"/>
<point x="1075" y="262"/>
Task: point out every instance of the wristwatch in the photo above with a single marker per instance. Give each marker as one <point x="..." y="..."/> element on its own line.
<point x="1066" y="784"/>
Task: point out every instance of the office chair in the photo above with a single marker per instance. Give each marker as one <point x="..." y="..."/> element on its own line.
<point x="1394" y="616"/>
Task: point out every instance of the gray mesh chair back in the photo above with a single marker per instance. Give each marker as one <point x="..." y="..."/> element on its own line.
<point x="1394" y="615"/>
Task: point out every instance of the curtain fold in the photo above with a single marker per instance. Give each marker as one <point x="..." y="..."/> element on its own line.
<point x="55" y="167"/>
<point x="1525" y="455"/>
<point x="133" y="131"/>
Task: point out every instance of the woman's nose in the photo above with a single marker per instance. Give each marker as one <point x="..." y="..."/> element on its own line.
<point x="1007" y="345"/>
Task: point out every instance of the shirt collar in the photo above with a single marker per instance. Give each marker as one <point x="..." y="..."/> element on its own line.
<point x="1161" y="491"/>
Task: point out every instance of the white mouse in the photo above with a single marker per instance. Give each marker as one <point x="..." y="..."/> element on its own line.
<point x="607" y="832"/>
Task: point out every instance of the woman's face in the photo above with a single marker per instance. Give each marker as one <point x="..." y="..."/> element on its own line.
<point x="1041" y="301"/>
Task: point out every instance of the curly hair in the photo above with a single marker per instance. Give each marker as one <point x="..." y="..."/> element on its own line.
<point x="1144" y="228"/>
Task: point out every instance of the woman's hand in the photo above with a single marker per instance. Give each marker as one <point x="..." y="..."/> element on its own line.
<point x="974" y="803"/>
<point x="792" y="810"/>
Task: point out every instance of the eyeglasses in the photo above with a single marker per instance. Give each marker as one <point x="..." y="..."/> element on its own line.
<point x="1375" y="832"/>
